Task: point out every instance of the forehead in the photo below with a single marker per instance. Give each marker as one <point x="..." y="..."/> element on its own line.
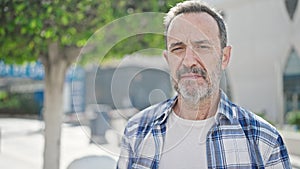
<point x="193" y="27"/>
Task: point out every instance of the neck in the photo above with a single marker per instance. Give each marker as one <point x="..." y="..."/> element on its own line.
<point x="204" y="109"/>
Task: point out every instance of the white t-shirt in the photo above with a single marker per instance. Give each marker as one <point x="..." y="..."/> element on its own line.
<point x="185" y="143"/>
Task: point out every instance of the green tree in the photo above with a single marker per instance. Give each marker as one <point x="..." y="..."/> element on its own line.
<point x="54" y="32"/>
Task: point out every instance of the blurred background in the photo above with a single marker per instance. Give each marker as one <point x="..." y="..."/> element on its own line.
<point x="65" y="97"/>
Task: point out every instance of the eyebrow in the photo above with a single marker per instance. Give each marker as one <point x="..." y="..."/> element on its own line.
<point x="176" y="44"/>
<point x="195" y="42"/>
<point x="202" y="42"/>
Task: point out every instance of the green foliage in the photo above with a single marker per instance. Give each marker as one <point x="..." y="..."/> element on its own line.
<point x="16" y="103"/>
<point x="10" y="103"/>
<point x="3" y="94"/>
<point x="27" y="27"/>
<point x="7" y="102"/>
<point x="139" y="41"/>
<point x="136" y="43"/>
<point x="293" y="118"/>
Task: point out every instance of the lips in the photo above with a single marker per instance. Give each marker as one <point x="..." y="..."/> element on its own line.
<point x="191" y="75"/>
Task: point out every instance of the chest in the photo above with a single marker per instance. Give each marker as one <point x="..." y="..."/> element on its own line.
<point x="224" y="146"/>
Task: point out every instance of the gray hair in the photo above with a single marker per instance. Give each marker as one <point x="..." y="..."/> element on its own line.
<point x="196" y="6"/>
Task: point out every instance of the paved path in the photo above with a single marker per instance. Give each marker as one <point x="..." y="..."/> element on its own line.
<point x="22" y="144"/>
<point x="292" y="141"/>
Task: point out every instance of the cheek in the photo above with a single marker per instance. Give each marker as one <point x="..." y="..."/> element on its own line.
<point x="213" y="61"/>
<point x="213" y="67"/>
<point x="173" y="72"/>
<point x="215" y="72"/>
<point x="174" y="65"/>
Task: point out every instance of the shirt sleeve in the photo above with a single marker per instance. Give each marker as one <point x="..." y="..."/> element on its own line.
<point x="126" y="154"/>
<point x="279" y="157"/>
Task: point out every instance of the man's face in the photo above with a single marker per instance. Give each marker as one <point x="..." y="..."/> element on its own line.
<point x="195" y="56"/>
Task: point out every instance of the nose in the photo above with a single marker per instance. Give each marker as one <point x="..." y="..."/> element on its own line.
<point x="191" y="58"/>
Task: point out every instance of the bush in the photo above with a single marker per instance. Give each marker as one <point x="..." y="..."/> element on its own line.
<point x="18" y="103"/>
<point x="293" y="118"/>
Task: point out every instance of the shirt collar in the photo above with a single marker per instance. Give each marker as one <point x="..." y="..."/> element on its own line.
<point x="224" y="113"/>
<point x="166" y="109"/>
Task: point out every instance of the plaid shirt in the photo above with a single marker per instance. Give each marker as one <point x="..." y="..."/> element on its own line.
<point x="239" y="139"/>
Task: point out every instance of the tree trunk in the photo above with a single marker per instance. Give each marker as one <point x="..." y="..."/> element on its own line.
<point x="55" y="70"/>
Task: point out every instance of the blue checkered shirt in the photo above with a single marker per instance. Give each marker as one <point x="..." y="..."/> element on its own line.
<point x="239" y="139"/>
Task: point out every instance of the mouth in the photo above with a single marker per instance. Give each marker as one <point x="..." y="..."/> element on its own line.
<point x="191" y="73"/>
<point x="192" y="76"/>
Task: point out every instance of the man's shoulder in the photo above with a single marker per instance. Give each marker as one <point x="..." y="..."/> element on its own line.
<point x="144" y="119"/>
<point x="255" y="124"/>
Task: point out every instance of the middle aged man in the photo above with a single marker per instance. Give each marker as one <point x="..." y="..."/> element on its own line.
<point x="200" y="128"/>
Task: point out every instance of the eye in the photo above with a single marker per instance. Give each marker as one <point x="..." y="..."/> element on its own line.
<point x="177" y="49"/>
<point x="203" y="46"/>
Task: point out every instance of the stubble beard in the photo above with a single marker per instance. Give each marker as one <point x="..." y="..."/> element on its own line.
<point x="193" y="92"/>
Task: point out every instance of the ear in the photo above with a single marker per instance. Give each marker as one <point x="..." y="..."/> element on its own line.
<point x="226" y="57"/>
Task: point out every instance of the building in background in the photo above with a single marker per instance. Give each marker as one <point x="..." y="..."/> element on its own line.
<point x="137" y="81"/>
<point x="265" y="66"/>
<point x="22" y="89"/>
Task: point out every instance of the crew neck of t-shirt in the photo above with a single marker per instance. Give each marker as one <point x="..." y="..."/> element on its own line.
<point x="186" y="122"/>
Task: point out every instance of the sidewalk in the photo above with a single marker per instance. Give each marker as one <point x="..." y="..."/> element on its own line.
<point x="295" y="160"/>
<point x="292" y="141"/>
<point x="21" y="144"/>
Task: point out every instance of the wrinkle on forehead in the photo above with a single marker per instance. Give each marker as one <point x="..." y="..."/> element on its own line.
<point x="193" y="27"/>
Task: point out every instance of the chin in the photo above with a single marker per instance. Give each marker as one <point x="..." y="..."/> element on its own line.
<point x="194" y="95"/>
